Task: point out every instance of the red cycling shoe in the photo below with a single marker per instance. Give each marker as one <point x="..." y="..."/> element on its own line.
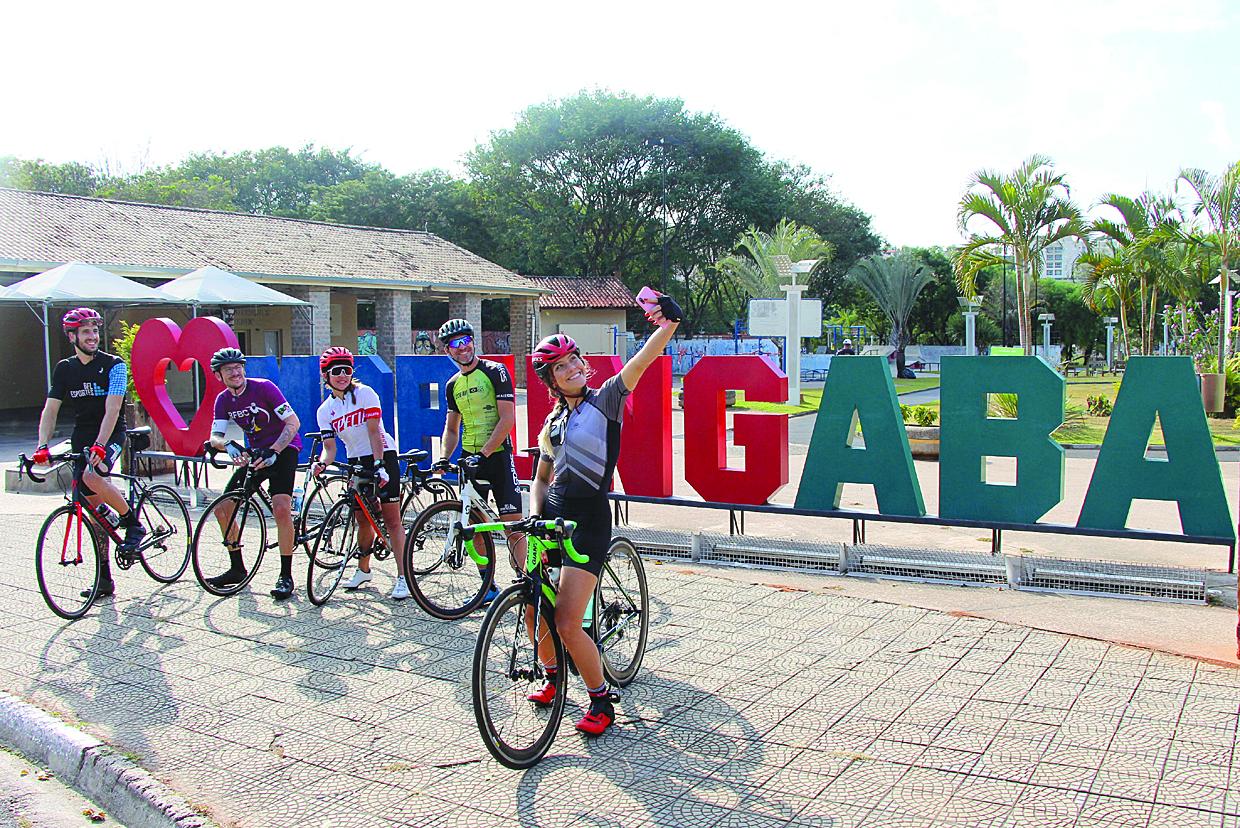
<point x="601" y="716"/>
<point x="545" y="696"/>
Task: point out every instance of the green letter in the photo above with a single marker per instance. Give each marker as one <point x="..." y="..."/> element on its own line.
<point x="1189" y="475"/>
<point x="860" y="388"/>
<point x="969" y="436"/>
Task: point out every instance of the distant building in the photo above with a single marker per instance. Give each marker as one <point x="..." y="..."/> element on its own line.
<point x="345" y="272"/>
<point x="1059" y="258"/>
<point x="591" y="311"/>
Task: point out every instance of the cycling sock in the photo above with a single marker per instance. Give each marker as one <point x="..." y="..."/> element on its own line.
<point x="130" y="518"/>
<point x="234" y="554"/>
<point x="601" y="690"/>
<point x="286" y="566"/>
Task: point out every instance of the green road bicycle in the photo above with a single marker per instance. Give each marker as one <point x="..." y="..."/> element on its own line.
<point x="506" y="667"/>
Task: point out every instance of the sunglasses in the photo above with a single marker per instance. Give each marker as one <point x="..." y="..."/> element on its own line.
<point x="460" y="341"/>
<point x="340" y="371"/>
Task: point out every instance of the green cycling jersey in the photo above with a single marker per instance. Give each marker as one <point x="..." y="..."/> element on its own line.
<point x="475" y="396"/>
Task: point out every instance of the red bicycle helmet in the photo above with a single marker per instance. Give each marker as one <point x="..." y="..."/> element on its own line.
<point x="76" y="318"/>
<point x="333" y="356"/>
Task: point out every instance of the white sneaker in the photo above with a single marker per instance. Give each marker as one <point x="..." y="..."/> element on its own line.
<point x="359" y="578"/>
<point x="401" y="591"/>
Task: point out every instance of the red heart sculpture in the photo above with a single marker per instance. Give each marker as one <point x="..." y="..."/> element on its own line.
<point x="160" y="342"/>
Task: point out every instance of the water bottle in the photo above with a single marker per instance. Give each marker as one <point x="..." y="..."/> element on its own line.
<point x="297" y="494"/>
<point x="109" y="515"/>
<point x="553" y="575"/>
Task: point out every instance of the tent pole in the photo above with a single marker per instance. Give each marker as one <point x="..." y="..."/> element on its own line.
<point x="47" y="346"/>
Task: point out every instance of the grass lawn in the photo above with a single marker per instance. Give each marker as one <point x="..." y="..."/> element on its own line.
<point x="1092" y="430"/>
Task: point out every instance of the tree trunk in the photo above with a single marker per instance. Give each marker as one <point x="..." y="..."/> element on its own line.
<point x="897" y="339"/>
<point x="1224" y="312"/>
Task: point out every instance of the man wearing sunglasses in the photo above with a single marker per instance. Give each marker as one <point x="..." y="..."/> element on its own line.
<point x="482" y="411"/>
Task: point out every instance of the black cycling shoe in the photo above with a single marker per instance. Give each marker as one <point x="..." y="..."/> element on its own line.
<point x="106" y="588"/>
<point x="134" y="533"/>
<point x="231" y="577"/>
<point x="283" y="589"/>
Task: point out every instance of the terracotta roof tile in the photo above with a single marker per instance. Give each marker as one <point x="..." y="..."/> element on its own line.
<point x="570" y="292"/>
<point x="50" y="228"/>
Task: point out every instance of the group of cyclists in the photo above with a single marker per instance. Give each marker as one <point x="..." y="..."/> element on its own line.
<point x="579" y="445"/>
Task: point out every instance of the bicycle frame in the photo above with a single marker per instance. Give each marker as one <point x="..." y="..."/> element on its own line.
<point x="82" y="505"/>
<point x="535" y="550"/>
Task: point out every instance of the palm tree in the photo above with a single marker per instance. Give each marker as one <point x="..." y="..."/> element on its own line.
<point x="1218" y="198"/>
<point x="894" y="282"/>
<point x="754" y="265"/>
<point x="1024" y="212"/>
<point x="1109" y="284"/>
<point x="1140" y="240"/>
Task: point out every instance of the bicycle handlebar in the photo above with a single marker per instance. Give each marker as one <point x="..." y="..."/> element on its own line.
<point x="26" y="465"/>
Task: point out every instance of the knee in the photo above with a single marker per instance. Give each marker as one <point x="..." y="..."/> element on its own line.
<point x="282" y="506"/>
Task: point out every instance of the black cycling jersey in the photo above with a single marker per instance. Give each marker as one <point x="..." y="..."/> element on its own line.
<point x="85" y="388"/>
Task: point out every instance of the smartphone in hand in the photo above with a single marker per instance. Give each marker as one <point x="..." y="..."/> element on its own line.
<point x="648" y="300"/>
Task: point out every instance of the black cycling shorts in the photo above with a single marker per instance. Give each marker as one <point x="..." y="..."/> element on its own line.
<point x="114" y="447"/>
<point x="391" y="492"/>
<point x="280" y="474"/>
<point x="593" y="534"/>
<point x="500" y="472"/>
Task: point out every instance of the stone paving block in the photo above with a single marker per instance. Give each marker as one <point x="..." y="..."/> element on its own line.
<point x="1097" y="812"/>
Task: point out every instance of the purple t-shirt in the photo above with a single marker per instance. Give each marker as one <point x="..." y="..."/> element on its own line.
<point x="260" y="410"/>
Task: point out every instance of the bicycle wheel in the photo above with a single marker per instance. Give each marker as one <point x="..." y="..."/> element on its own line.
<point x="506" y="670"/>
<point x="415" y="500"/>
<point x="66" y="561"/>
<point x="166" y="548"/>
<point x="332" y="550"/>
<point x="443" y="579"/>
<point x="318" y="501"/>
<point x="622" y="612"/>
<point x="248" y="525"/>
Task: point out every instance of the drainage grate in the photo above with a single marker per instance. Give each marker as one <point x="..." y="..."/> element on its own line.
<point x="778" y="553"/>
<point x="927" y="565"/>
<point x="657" y="543"/>
<point x="1106" y="578"/>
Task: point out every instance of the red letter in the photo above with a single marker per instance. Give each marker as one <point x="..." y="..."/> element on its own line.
<point x="645" y="463"/>
<point x="764" y="436"/>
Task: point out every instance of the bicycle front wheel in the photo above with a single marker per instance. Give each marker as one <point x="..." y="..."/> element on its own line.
<point x="443" y="579"/>
<point x="66" y="561"/>
<point x="231" y="521"/>
<point x="622" y="612"/>
<point x="506" y="670"/>
<point x="332" y="550"/>
<point x="169" y="537"/>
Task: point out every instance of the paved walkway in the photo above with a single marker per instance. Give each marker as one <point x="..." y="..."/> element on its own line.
<point x="757" y="706"/>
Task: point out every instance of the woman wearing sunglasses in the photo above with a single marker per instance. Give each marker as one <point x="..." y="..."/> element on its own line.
<point x="352" y="413"/>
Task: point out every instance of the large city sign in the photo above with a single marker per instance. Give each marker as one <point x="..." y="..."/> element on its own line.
<point x="859" y="396"/>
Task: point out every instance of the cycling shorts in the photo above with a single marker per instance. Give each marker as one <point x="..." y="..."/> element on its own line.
<point x="500" y="472"/>
<point x="592" y="536"/>
<point x="391" y="492"/>
<point x="113" y="450"/>
<point x="280" y="474"/>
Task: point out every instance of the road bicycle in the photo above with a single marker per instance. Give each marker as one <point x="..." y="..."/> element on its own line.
<point x="506" y="667"/>
<point x="74" y="539"/>
<point x="446" y="579"/>
<point x="338" y="542"/>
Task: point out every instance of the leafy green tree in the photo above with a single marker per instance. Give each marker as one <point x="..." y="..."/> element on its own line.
<point x="277" y="181"/>
<point x="1079" y="328"/>
<point x="1110" y="284"/>
<point x="755" y="265"/>
<point x="1022" y="213"/>
<point x="895" y="283"/>
<point x="937" y="303"/>
<point x="1218" y="201"/>
<point x="171" y="188"/>
<point x="70" y="179"/>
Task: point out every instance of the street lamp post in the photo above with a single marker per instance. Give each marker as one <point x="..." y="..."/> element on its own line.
<point x="1046" y="319"/>
<point x="1110" y="323"/>
<point x="968" y="307"/>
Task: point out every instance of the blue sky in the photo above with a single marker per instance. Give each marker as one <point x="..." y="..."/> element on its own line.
<point x="899" y="102"/>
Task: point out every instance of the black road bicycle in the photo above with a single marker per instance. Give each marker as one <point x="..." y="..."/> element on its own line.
<point x="506" y="666"/>
<point x="75" y="537"/>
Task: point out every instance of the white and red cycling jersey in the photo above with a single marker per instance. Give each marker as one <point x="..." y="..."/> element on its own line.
<point x="347" y="418"/>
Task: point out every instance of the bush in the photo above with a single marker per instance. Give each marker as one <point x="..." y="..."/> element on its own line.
<point x="1099" y="406"/>
<point x="922" y="415"/>
<point x="122" y="346"/>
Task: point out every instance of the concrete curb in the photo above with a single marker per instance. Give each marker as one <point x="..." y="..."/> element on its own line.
<point x="130" y="795"/>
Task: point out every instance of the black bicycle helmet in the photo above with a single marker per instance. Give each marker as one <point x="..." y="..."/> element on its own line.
<point x="226" y="356"/>
<point x="454" y="328"/>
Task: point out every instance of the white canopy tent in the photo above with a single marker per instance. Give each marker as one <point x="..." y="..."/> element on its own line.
<point x="211" y="286"/>
<point x="77" y="283"/>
